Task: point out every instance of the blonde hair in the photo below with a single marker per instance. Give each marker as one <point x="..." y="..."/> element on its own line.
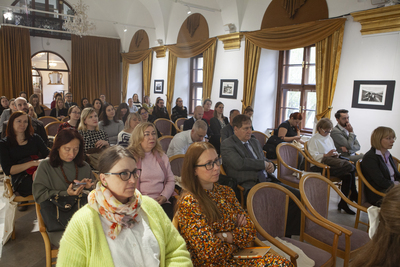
<point x="128" y="120"/>
<point x="135" y="145"/>
<point x="378" y="134"/>
<point x="58" y="99"/>
<point x="84" y="114"/>
<point x="34" y="115"/>
<point x="324" y="124"/>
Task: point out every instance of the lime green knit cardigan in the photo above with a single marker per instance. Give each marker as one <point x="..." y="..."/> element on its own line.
<point x="84" y="242"/>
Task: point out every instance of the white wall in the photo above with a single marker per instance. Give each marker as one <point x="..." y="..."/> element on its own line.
<point x="159" y="72"/>
<point x="182" y="81"/>
<point x="135" y="78"/>
<point x="61" y="47"/>
<point x="372" y="57"/>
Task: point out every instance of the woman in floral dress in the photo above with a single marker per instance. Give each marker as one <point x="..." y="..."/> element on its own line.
<point x="210" y="218"/>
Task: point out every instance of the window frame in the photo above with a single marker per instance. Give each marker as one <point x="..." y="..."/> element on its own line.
<point x="283" y="86"/>
<point x="193" y="86"/>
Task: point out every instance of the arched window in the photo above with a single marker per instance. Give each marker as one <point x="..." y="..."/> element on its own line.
<point x="49" y="61"/>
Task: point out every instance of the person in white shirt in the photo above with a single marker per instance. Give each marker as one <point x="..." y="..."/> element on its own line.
<point x="181" y="141"/>
<point x="132" y="108"/>
<point x="344" y="138"/>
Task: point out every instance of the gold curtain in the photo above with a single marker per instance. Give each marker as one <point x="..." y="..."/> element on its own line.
<point x="187" y="50"/>
<point x="96" y="68"/>
<point x="15" y="62"/>
<point x="251" y="62"/>
<point x="286" y="38"/>
<point x="328" y="53"/>
<point x="136" y="57"/>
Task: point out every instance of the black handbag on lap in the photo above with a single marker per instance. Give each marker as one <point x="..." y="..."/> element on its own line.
<point x="57" y="210"/>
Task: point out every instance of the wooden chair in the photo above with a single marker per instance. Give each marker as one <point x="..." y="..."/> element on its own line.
<point x="164" y="141"/>
<point x="47" y="112"/>
<point x="325" y="168"/>
<point x="52" y="128"/>
<point x="314" y="190"/>
<point x="241" y="189"/>
<point x="176" y="164"/>
<point x="65" y="119"/>
<point x="179" y="123"/>
<point x="9" y="192"/>
<point x="50" y="253"/>
<point x="261" y="137"/>
<point x="396" y="160"/>
<point x="267" y="205"/>
<point x="362" y="199"/>
<point x="288" y="160"/>
<point x="165" y="126"/>
<point x="45" y="107"/>
<point x="47" y="119"/>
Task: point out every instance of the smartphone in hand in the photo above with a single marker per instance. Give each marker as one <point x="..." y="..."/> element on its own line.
<point x="77" y="185"/>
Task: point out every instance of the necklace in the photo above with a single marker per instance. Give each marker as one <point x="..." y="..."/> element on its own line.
<point x="65" y="177"/>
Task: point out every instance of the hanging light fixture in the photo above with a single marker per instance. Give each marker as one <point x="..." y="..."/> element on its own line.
<point x="8" y="15"/>
<point x="79" y="24"/>
<point x="189" y="11"/>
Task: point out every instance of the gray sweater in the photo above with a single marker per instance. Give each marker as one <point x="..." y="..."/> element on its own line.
<point x="112" y="130"/>
<point x="50" y="181"/>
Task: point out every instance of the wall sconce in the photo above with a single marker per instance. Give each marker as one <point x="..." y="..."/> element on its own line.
<point x="230" y="27"/>
<point x="160" y="42"/>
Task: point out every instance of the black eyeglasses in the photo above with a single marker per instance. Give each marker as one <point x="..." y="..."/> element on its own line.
<point x="210" y="165"/>
<point x="125" y="176"/>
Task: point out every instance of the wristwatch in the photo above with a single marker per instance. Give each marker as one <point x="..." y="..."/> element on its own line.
<point x="225" y="236"/>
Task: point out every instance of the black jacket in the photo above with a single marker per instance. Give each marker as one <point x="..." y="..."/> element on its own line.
<point x="377" y="174"/>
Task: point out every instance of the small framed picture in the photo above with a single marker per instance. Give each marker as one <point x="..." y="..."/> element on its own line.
<point x="373" y="94"/>
<point x="158" y="86"/>
<point x="228" y="89"/>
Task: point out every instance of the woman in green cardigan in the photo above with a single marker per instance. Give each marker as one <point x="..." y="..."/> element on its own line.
<point x="119" y="226"/>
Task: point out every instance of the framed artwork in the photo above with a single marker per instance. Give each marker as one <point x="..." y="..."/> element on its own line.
<point x="373" y="94"/>
<point x="158" y="86"/>
<point x="228" y="89"/>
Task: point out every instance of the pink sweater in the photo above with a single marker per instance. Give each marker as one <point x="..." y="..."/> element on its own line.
<point x="151" y="181"/>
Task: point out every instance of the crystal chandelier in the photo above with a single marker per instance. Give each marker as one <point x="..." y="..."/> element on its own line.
<point x="79" y="24"/>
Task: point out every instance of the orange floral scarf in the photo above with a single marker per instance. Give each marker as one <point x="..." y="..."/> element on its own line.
<point x="121" y="215"/>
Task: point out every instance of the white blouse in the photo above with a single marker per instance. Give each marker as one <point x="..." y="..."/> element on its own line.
<point x="136" y="246"/>
<point x="319" y="145"/>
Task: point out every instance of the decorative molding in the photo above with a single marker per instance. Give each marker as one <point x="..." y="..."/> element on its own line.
<point x="160" y="51"/>
<point x="378" y="20"/>
<point x="231" y="40"/>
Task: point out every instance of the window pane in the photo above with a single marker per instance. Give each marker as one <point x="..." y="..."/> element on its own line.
<point x="311" y="100"/>
<point x="296" y="56"/>
<point x="312" y="55"/>
<point x="199" y="76"/>
<point x="286" y="113"/>
<point x="39" y="61"/>
<point x="310" y="115"/>
<point x="294" y="75"/>
<point x="200" y="63"/>
<point x="199" y="93"/>
<point x="293" y="99"/>
<point x="311" y="75"/>
<point x="53" y="6"/>
<point x="55" y="62"/>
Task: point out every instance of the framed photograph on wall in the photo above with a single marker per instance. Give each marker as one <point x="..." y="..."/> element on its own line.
<point x="158" y="86"/>
<point x="228" y="89"/>
<point x="373" y="94"/>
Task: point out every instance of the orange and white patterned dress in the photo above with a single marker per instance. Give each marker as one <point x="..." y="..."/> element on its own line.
<point x="205" y="248"/>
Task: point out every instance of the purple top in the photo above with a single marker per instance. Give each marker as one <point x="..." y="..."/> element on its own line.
<point x="387" y="162"/>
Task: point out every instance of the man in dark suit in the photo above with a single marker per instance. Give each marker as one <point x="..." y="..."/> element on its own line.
<point x="243" y="160"/>
<point x="197" y="115"/>
<point x="68" y="101"/>
<point x="227" y="131"/>
<point x="22" y="105"/>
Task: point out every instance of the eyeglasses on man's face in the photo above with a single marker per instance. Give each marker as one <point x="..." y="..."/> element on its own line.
<point x="210" y="165"/>
<point x="125" y="176"/>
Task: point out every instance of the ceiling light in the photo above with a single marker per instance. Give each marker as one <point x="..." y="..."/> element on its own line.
<point x="52" y="64"/>
<point x="125" y="29"/>
<point x="80" y="24"/>
<point x="8" y="15"/>
<point x="189" y="11"/>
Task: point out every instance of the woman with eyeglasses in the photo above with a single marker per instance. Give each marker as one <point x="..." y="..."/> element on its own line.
<point x="119" y="226"/>
<point x="378" y="166"/>
<point x="74" y="114"/>
<point x="323" y="150"/>
<point x="157" y="180"/>
<point x="210" y="218"/>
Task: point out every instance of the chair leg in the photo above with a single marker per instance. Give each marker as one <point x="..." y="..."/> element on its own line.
<point x="357" y="219"/>
<point x="13" y="233"/>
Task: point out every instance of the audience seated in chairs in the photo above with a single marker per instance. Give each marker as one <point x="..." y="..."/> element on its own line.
<point x="181" y="141"/>
<point x="132" y="108"/>
<point x="208" y="112"/>
<point x="157" y="180"/>
<point x="249" y="112"/>
<point x="74" y="114"/>
<point x="21" y="152"/>
<point x="84" y="103"/>
<point x="197" y="115"/>
<point x="59" y="111"/>
<point x="289" y="130"/>
<point x="104" y="232"/>
<point x="146" y="116"/>
<point x="55" y="96"/>
<point x="56" y="175"/>
<point x="95" y="140"/>
<point x="110" y="124"/>
<point x="3" y="104"/>
<point x="227" y="131"/>
<point x="179" y="111"/>
<point x="146" y="103"/>
<point x="322" y="149"/>
<point x="136" y="101"/>
<point x="210" y="218"/>
<point x="378" y="166"/>
<point x="5" y="115"/>
<point x="34" y="101"/>
<point x="160" y="111"/>
<point x="218" y="122"/>
<point x="98" y="106"/>
<point x="382" y="250"/>
<point x="31" y="111"/>
<point x="125" y="135"/>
